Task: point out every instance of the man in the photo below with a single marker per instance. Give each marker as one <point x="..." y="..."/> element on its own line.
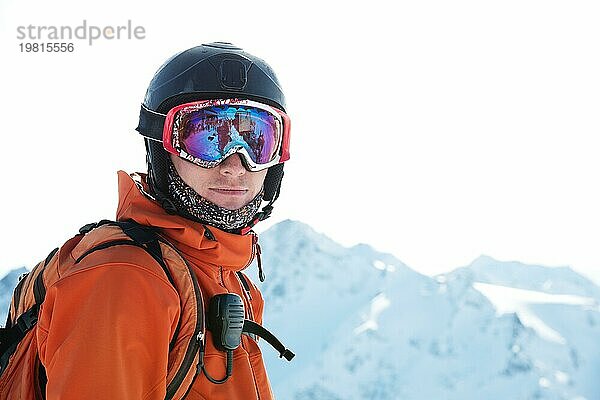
<point x="216" y="135"/>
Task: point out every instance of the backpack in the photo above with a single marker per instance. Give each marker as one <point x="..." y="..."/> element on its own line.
<point x="22" y="376"/>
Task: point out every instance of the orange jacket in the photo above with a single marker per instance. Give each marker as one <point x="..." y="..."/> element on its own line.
<point x="104" y="329"/>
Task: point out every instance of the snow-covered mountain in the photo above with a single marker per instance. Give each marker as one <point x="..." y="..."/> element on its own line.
<point x="363" y="325"/>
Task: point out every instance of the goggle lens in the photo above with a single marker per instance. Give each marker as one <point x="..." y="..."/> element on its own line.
<point x="210" y="133"/>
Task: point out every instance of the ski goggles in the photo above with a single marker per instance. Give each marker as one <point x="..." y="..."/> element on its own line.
<point x="208" y="131"/>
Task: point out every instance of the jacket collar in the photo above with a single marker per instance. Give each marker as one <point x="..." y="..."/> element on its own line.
<point x="215" y="248"/>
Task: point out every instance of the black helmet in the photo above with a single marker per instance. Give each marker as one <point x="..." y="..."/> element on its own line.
<point x="216" y="70"/>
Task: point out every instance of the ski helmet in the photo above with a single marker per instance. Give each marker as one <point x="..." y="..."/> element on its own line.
<point x="217" y="70"/>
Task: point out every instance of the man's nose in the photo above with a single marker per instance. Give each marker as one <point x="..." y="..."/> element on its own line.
<point x="233" y="165"/>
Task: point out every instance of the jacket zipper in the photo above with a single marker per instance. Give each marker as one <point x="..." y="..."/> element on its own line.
<point x="254" y="244"/>
<point x="256" y="251"/>
<point x="247" y="298"/>
<point x="261" y="274"/>
<point x="222" y="278"/>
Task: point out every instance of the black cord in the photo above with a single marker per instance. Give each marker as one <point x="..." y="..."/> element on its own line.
<point x="229" y="369"/>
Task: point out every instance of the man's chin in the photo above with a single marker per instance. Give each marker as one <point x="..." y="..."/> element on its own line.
<point x="229" y="204"/>
<point x="229" y="200"/>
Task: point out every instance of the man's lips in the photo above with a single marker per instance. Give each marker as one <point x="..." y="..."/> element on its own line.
<point x="230" y="190"/>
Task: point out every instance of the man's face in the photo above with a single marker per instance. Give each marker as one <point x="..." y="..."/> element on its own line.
<point x="228" y="185"/>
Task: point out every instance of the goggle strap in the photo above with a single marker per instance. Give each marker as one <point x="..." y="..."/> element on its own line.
<point x="151" y="124"/>
<point x="265" y="212"/>
<point x="260" y="216"/>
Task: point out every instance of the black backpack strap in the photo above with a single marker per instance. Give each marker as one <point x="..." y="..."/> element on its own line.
<point x="22" y="325"/>
<point x="39" y="289"/>
<point x="13" y="333"/>
<point x="141" y="236"/>
<point x="88" y="227"/>
<point x="10" y="337"/>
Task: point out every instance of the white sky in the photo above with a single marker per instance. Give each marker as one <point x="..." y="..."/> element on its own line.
<point x="434" y="130"/>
